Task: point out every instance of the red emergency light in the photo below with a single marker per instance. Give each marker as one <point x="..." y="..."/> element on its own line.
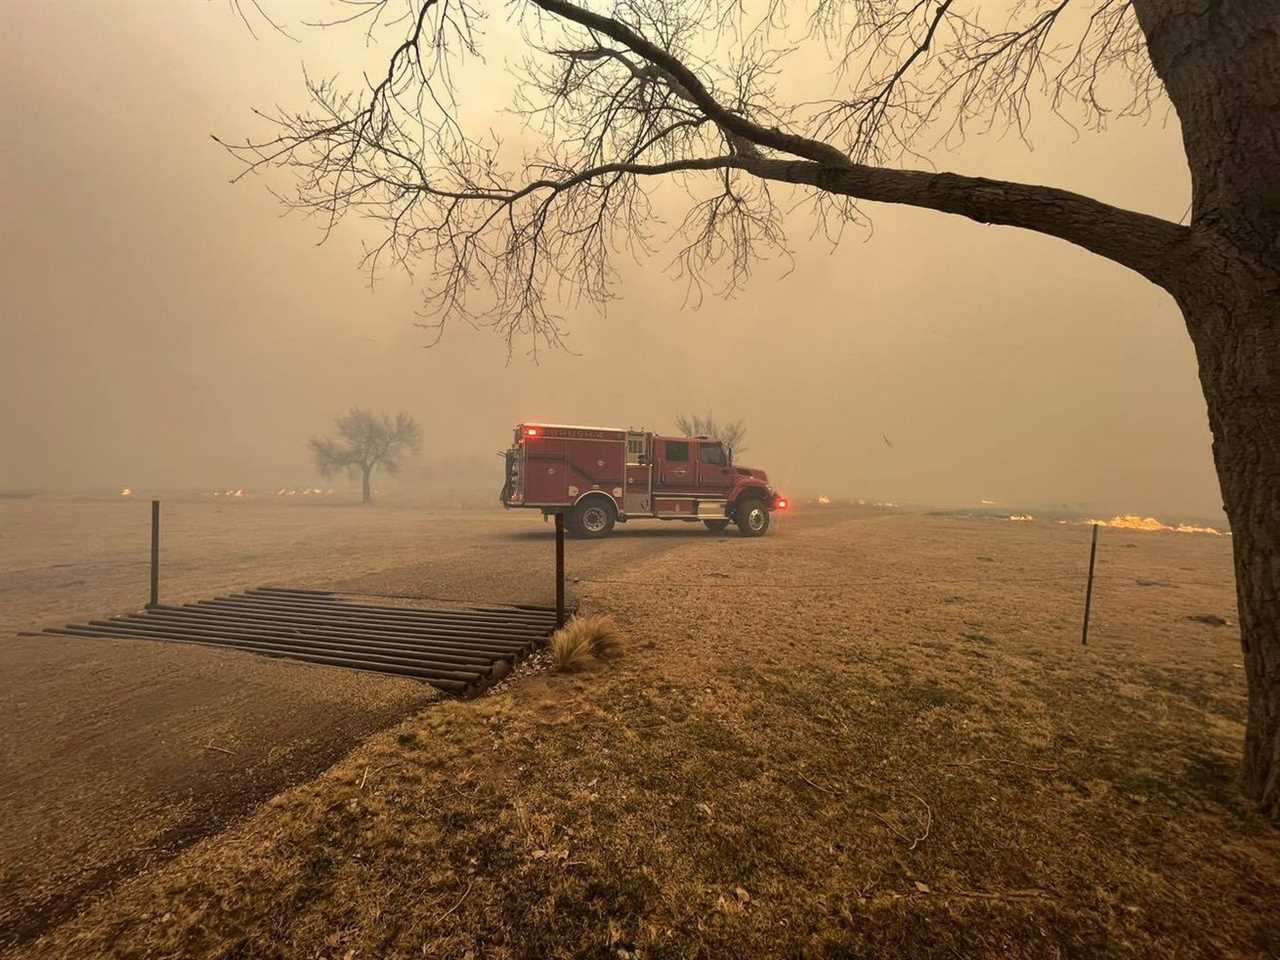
<point x="530" y="431"/>
<point x="780" y="503"/>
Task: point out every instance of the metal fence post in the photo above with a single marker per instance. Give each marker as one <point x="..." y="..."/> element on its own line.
<point x="155" y="554"/>
<point x="559" y="570"/>
<point x="1088" y="594"/>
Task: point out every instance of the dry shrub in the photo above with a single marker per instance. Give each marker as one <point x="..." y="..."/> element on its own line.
<point x="583" y="637"/>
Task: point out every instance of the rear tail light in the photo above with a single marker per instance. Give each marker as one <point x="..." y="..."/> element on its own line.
<point x="780" y="503"/>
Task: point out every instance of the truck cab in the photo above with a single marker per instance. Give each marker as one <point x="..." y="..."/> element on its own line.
<point x="599" y="476"/>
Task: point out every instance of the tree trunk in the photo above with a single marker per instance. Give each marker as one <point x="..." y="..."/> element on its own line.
<point x="1234" y="322"/>
<point x="1247" y="452"/>
<point x="1220" y="63"/>
<point x="365" y="474"/>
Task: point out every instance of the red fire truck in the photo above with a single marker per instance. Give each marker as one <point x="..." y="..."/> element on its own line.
<point x="599" y="476"/>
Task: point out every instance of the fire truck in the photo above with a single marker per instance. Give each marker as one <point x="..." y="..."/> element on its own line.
<point x="599" y="476"/>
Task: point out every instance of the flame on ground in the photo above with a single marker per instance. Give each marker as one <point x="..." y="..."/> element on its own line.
<point x="1021" y="516"/>
<point x="1151" y="524"/>
<point x="126" y="492"/>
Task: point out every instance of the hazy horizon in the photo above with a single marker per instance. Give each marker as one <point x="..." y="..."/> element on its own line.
<point x="164" y="329"/>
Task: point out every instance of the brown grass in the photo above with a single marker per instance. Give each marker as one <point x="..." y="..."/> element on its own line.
<point x="851" y="739"/>
<point x="104" y="767"/>
<point x="582" y="638"/>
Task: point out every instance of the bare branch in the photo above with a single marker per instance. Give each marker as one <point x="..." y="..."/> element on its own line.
<point x="653" y="97"/>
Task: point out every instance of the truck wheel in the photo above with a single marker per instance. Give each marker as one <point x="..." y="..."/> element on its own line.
<point x="593" y="518"/>
<point x="753" y="518"/>
<point x="716" y="526"/>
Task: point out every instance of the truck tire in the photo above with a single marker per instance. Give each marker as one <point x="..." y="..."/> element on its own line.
<point x="752" y="517"/>
<point x="593" y="518"/>
<point x="716" y="526"/>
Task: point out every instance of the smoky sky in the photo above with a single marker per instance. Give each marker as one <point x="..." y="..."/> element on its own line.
<point x="161" y="327"/>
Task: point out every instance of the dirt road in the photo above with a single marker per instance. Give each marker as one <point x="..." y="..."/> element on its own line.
<point x="116" y="754"/>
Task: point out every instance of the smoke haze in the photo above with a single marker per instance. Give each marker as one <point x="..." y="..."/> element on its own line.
<point x="163" y="328"/>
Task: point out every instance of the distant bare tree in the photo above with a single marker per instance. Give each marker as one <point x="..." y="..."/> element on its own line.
<point x="732" y="433"/>
<point x="617" y="93"/>
<point x="365" y="442"/>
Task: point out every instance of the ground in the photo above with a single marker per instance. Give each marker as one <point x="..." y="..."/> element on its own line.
<point x="865" y="734"/>
<point x="116" y="754"/>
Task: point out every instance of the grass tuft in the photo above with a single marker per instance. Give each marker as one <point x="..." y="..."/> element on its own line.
<point x="583" y="637"/>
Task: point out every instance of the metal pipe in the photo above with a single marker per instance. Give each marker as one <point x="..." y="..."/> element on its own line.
<point x="445" y="653"/>
<point x="559" y="570"/>
<point x="441" y="627"/>
<point x="459" y="650"/>
<point x="338" y="595"/>
<point x="448" y="683"/>
<point x="281" y="644"/>
<point x="493" y="646"/>
<point x="483" y="651"/>
<point x="514" y="618"/>
<point x="292" y="590"/>
<point x="467" y="613"/>
<point x="541" y="613"/>
<point x="155" y="553"/>
<point x="218" y="612"/>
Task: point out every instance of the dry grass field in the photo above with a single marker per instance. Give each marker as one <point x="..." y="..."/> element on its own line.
<point x="865" y="735"/>
<point x="115" y="755"/>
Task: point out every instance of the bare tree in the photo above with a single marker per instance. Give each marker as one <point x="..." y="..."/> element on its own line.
<point x="365" y="442"/>
<point x="732" y="433"/>
<point x="621" y="92"/>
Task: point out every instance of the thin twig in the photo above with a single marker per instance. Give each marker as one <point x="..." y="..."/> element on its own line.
<point x="816" y="786"/>
<point x="456" y="905"/>
<point x="892" y="827"/>
<point x="928" y="822"/>
<point x="977" y="760"/>
<point x="1030" y="893"/>
<point x="211" y="746"/>
<point x="364" y="777"/>
<point x="912" y="842"/>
